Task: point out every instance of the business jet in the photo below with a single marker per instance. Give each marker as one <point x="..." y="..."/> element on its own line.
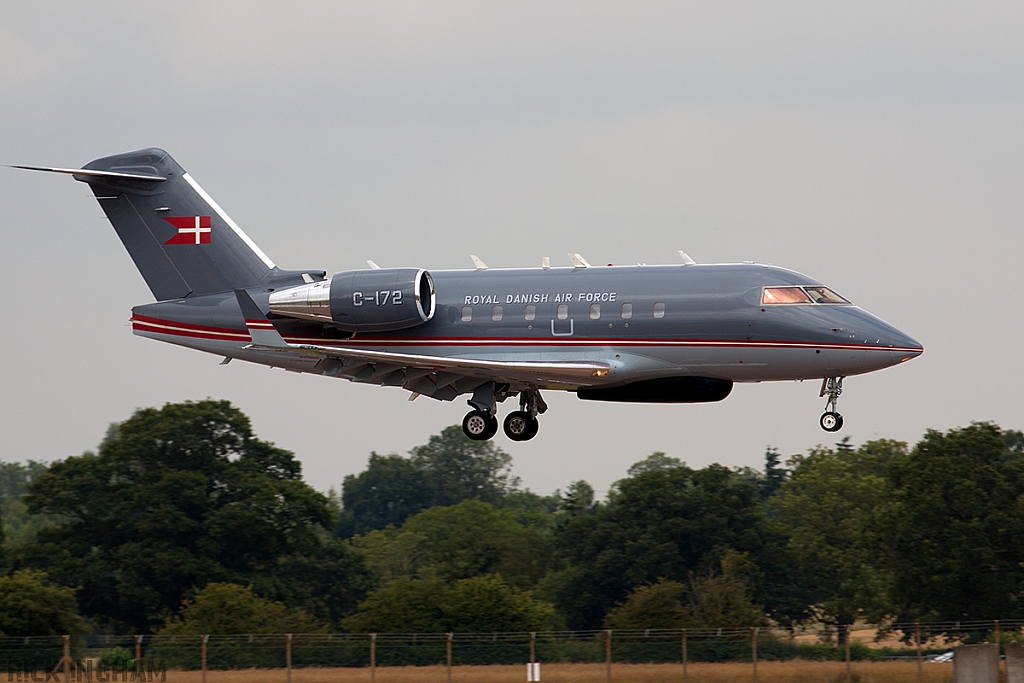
<point x="683" y="333"/>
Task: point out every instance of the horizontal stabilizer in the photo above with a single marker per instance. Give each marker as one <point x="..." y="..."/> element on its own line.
<point x="87" y="173"/>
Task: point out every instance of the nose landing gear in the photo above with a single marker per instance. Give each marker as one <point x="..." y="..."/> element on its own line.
<point x="831" y="421"/>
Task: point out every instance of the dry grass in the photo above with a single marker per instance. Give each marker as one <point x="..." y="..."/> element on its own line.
<point x="767" y="672"/>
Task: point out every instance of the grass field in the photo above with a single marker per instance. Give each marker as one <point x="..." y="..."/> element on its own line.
<point x="767" y="672"/>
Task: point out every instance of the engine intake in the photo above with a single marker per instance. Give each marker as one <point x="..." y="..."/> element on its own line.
<point x="378" y="300"/>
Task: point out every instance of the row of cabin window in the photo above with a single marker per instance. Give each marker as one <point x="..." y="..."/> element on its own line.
<point x="562" y="312"/>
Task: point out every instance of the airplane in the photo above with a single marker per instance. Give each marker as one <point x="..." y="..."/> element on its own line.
<point x="682" y="333"/>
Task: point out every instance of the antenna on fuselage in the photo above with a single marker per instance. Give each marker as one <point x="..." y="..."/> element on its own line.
<point x="545" y="263"/>
<point x="687" y="261"/>
<point x="480" y="265"/>
<point x="578" y="261"/>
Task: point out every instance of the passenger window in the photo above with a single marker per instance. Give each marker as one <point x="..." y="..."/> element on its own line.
<point x="467" y="313"/>
<point x="784" y="295"/>
<point x="531" y="312"/>
<point x="659" y="310"/>
<point x="563" y="311"/>
<point x="595" y="311"/>
<point x="627" y="311"/>
<point x="496" y="314"/>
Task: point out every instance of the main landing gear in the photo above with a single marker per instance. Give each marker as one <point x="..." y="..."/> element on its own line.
<point x="831" y="421"/>
<point x="481" y="423"/>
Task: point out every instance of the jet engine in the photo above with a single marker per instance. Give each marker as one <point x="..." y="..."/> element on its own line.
<point x="378" y="300"/>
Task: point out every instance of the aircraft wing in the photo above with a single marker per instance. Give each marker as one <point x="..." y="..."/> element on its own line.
<point x="439" y="377"/>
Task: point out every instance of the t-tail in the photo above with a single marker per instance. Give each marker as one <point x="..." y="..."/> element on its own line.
<point x="182" y="242"/>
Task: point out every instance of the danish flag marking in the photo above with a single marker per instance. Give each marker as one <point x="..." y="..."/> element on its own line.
<point x="191" y="229"/>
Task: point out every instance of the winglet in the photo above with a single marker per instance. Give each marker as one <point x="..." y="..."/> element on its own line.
<point x="261" y="330"/>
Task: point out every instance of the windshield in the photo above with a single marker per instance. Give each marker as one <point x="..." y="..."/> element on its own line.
<point x="800" y="295"/>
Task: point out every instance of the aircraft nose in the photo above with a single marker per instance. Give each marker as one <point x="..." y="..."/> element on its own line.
<point x="905" y="344"/>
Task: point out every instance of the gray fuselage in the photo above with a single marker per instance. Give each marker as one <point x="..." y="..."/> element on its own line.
<point x="645" y="321"/>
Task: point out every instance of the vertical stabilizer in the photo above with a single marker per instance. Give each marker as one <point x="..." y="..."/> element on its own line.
<point x="181" y="240"/>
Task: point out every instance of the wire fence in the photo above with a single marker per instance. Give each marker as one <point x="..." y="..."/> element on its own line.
<point x="149" y="657"/>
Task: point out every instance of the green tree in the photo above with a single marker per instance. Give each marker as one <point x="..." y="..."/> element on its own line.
<point x="462" y="541"/>
<point x="327" y="581"/>
<point x="459" y="468"/>
<point x="175" y="498"/>
<point x="655" y="462"/>
<point x="834" y="506"/>
<point x="388" y="491"/>
<point x="18" y="524"/>
<point x="578" y="499"/>
<point x="448" y="469"/>
<point x="667" y="523"/>
<point x="31" y="606"/>
<point x="655" y="605"/>
<point x="229" y="608"/>
<point x="774" y="473"/>
<point x="713" y="600"/>
<point x="955" y="538"/>
<point x="474" y="605"/>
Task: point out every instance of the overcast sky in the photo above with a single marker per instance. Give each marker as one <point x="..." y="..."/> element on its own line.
<point x="875" y="146"/>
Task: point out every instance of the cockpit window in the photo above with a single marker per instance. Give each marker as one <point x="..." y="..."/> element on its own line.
<point x="784" y="295"/>
<point x="800" y="295"/>
<point x="824" y="295"/>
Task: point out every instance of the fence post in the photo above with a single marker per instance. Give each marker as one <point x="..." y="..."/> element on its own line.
<point x="998" y="648"/>
<point x="67" y="657"/>
<point x="138" y="654"/>
<point x="753" y="649"/>
<point x="206" y="639"/>
<point x="450" y="657"/>
<point x="920" y="656"/>
<point x="849" y="632"/>
<point x="685" y="658"/>
<point x="608" y="655"/>
<point x="373" y="657"/>
<point x="288" y="655"/>
<point x="533" y="647"/>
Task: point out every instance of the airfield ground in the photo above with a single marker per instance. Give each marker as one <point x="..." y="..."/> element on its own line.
<point x="793" y="671"/>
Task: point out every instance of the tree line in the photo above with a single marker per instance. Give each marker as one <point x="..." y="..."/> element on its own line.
<point x="183" y="521"/>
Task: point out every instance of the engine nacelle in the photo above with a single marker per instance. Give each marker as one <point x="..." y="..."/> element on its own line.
<point x="378" y="300"/>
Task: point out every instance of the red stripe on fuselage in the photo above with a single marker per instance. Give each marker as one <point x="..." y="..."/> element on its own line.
<point x="173" y="328"/>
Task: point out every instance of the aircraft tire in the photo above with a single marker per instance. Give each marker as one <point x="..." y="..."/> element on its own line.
<point x="479" y="426"/>
<point x="534" y="428"/>
<point x="831" y="422"/>
<point x="517" y="425"/>
<point x="520" y="426"/>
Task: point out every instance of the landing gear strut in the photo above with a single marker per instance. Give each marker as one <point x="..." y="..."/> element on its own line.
<point x="480" y="424"/>
<point x="831" y="421"/>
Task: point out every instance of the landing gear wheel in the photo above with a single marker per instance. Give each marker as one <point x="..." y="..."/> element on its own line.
<point x="479" y="426"/>
<point x="521" y="426"/>
<point x="831" y="421"/>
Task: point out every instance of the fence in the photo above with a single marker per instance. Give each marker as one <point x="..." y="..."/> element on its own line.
<point x="148" y="657"/>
